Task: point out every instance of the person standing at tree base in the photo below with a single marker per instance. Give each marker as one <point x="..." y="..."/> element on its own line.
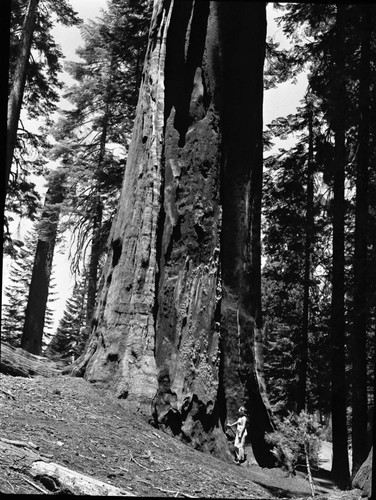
<point x="240" y="435"/>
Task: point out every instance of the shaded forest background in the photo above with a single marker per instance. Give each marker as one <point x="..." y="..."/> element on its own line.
<point x="318" y="201"/>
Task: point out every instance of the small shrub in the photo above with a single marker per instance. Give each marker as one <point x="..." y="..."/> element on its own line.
<point x="297" y="441"/>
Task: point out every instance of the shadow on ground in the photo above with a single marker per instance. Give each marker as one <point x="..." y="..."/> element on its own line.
<point x="88" y="430"/>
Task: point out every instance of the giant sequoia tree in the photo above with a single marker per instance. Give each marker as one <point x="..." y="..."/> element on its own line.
<point x="178" y="320"/>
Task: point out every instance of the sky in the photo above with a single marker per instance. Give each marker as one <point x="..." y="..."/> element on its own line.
<point x="277" y="102"/>
<point x="70" y="39"/>
<point x="282" y="100"/>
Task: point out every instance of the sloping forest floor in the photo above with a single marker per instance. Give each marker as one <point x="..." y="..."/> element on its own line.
<point x="71" y="422"/>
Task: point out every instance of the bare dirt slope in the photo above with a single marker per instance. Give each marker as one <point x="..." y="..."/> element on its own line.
<point x="77" y="425"/>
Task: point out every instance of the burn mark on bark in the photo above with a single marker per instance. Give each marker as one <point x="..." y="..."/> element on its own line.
<point x="164" y="407"/>
<point x="156" y="23"/>
<point x="159" y="242"/>
<point x="241" y="177"/>
<point x="220" y="409"/>
<point x="116" y="251"/>
<point x="113" y="358"/>
<point x="185" y="47"/>
<point x="175" y="237"/>
<point x="200" y="232"/>
<point x="199" y="428"/>
<point x="123" y="395"/>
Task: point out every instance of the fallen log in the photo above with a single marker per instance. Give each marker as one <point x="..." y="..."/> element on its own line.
<point x="17" y="362"/>
<point x="56" y="477"/>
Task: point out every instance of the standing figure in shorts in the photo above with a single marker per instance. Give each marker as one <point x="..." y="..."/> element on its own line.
<point x="240" y="435"/>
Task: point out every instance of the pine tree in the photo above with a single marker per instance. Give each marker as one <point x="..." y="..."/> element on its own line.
<point x="16" y="292"/>
<point x="296" y="247"/>
<point x="35" y="64"/>
<point x="33" y="328"/>
<point x="331" y="42"/>
<point x="13" y="310"/>
<point x="69" y="339"/>
<point x="18" y="82"/>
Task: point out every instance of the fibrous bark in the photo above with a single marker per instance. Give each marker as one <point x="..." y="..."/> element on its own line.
<point x="363" y="477"/>
<point x="178" y="322"/>
<point x="33" y="328"/>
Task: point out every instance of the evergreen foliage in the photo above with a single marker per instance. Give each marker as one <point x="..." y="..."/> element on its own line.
<point x="47" y="228"/>
<point x="297" y="441"/>
<point x="16" y="292"/>
<point x="284" y="243"/>
<point x="40" y="99"/>
<point x="307" y="220"/>
<point x="69" y="339"/>
<point x="100" y="121"/>
<point x="336" y="46"/>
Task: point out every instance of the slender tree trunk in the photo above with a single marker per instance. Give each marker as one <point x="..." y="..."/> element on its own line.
<point x="4" y="42"/>
<point x="96" y="249"/>
<point x="340" y="465"/>
<point x="303" y="344"/>
<point x="361" y="298"/>
<point x="32" y="335"/>
<point x="96" y="243"/>
<point x="163" y="332"/>
<point x="18" y="83"/>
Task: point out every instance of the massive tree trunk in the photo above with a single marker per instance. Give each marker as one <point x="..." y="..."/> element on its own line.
<point x="361" y="298"/>
<point x="178" y="320"/>
<point x="32" y="335"/>
<point x="340" y="464"/>
<point x="18" y="84"/>
<point x="241" y="187"/>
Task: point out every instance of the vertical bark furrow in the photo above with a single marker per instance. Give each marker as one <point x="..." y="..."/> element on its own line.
<point x="241" y="34"/>
<point x="125" y="311"/>
<point x="33" y="327"/>
<point x="187" y="36"/>
<point x="187" y="333"/>
<point x="162" y="312"/>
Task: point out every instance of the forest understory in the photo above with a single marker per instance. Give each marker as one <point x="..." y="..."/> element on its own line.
<point x="71" y="422"/>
